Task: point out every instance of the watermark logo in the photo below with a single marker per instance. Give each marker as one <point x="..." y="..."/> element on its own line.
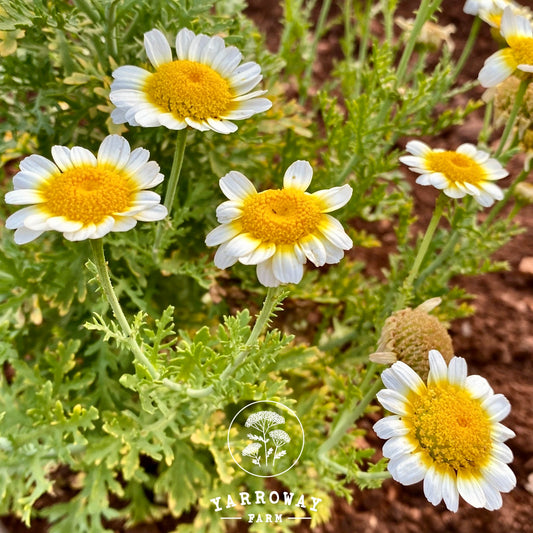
<point x="265" y="438"/>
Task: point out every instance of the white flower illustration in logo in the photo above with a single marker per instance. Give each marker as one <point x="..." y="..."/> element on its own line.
<point x="272" y="450"/>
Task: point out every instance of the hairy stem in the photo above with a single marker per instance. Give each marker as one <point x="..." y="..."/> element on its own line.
<point x="97" y="246"/>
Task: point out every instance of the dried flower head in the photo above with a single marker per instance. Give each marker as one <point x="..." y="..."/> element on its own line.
<point x="408" y="335"/>
<point x="205" y="88"/>
<point x="446" y="432"/>
<point x="431" y="34"/>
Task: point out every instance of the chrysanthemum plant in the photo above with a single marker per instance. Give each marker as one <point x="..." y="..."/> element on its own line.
<point x="128" y="343"/>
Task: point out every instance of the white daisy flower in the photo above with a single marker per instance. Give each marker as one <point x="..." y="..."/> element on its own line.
<point x="466" y="170"/>
<point x="205" y="88"/>
<point x="447" y="433"/>
<point x="83" y="196"/>
<point x="278" y="230"/>
<point x="518" y="33"/>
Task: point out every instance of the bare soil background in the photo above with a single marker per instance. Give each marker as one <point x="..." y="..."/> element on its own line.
<point x="497" y="340"/>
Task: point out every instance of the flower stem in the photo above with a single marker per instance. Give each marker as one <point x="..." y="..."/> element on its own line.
<point x="426" y="9"/>
<point x="271" y="300"/>
<point x="97" y="246"/>
<point x="512" y="116"/>
<point x="352" y="413"/>
<point x="474" y="30"/>
<point x="172" y="186"/>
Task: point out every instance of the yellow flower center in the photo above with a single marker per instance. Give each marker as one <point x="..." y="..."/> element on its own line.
<point x="189" y="89"/>
<point x="456" y="167"/>
<point x="281" y="216"/>
<point x="87" y="194"/>
<point x="451" y="427"/>
<point x="522" y="49"/>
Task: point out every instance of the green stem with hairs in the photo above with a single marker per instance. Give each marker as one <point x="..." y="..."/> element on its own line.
<point x="426" y="9"/>
<point x="97" y="246"/>
<point x="172" y="186"/>
<point x="465" y="54"/>
<point x="512" y="116"/>
<point x="271" y="300"/>
<point x="306" y="81"/>
<point x="348" y="418"/>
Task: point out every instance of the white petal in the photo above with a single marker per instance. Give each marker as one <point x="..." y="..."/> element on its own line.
<point x="314" y="250"/>
<point x="500" y="476"/>
<point x="398" y="446"/>
<point x="129" y="77"/>
<point x="453" y="192"/>
<point x="418" y="148"/>
<point x="171" y="122"/>
<point x="118" y="116"/>
<point x="438" y="180"/>
<point x="183" y="41"/>
<point x="393" y="401"/>
<point x="497" y="406"/>
<point x="197" y="47"/>
<point x="496" y="69"/>
<point x="334" y="198"/>
<point x="124" y="223"/>
<point x="84" y="233"/>
<point x="261" y="254"/>
<point x="333" y="253"/>
<point x="62" y="224"/>
<point x="27" y="180"/>
<point x="502" y="433"/>
<point x="24" y="235"/>
<point x="61" y="155"/>
<point x="493" y="498"/>
<point x="229" y="211"/>
<point x="286" y="265"/>
<point x="298" y="176"/>
<point x="115" y="151"/>
<point x="438" y="370"/>
<point x="433" y="482"/>
<point x="478" y="387"/>
<point x="493" y="190"/>
<point x="334" y="232"/>
<point x="103" y="228"/>
<point x="147" y="176"/>
<point x="157" y="48"/>
<point x="407" y="470"/>
<point x="265" y="274"/>
<point x="242" y="244"/>
<point x="16" y="220"/>
<point x="220" y="234"/>
<point x="501" y="452"/>
<point x="457" y="371"/>
<point x="37" y="221"/>
<point x="390" y="426"/>
<point x="221" y="126"/>
<point x="156" y="212"/>
<point x="450" y="494"/>
<point x="402" y="378"/>
<point x="227" y="61"/>
<point x="236" y="186"/>
<point x="23" y="197"/>
<point x="82" y="157"/>
<point x="222" y="259"/>
<point x="514" y="25"/>
<point x="470" y="489"/>
<point x="197" y="125"/>
<point x="38" y="166"/>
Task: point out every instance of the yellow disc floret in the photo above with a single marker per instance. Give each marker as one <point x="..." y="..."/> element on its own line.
<point x="458" y="168"/>
<point x="521" y="49"/>
<point x="451" y="427"/>
<point x="280" y="216"/>
<point x="188" y="89"/>
<point x="87" y="193"/>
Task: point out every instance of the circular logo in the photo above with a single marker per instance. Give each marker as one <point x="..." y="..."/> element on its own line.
<point x="265" y="438"/>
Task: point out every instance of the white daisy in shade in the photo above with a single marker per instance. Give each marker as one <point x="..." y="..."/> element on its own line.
<point x="83" y="196"/>
<point x="205" y="88"/>
<point x="518" y="55"/>
<point x="466" y="170"/>
<point x="447" y="433"/>
<point x="278" y="230"/>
